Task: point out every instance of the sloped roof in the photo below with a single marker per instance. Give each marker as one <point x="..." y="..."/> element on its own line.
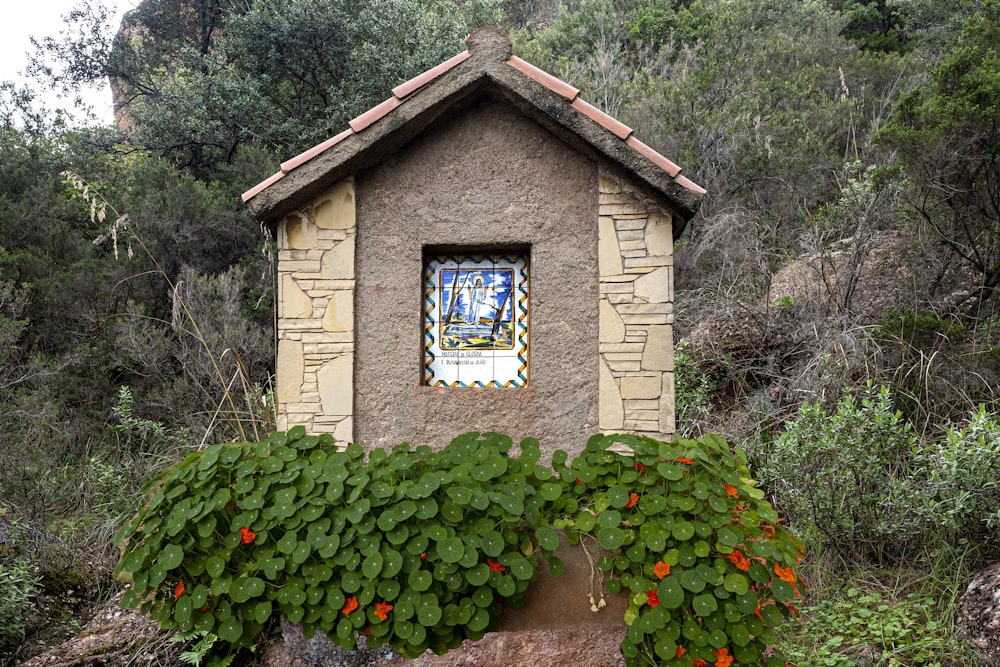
<point x="487" y="67"/>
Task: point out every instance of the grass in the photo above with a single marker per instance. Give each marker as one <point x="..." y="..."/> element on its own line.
<point x="900" y="616"/>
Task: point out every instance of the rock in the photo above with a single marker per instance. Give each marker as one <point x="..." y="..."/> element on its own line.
<point x="978" y="613"/>
<point x="114" y="637"/>
<point x="294" y="650"/>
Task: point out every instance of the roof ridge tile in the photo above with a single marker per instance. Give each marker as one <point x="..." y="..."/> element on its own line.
<point x="404" y="90"/>
<point x="553" y="83"/>
<point x="307" y="155"/>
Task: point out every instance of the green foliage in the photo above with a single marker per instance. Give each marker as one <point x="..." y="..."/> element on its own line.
<point x="336" y="543"/>
<point x="692" y="389"/>
<point x="417" y="548"/>
<point x="702" y="556"/>
<point x="18" y="584"/>
<point x="884" y="616"/>
<point x="841" y="475"/>
<point x="947" y="132"/>
<point x="962" y="493"/>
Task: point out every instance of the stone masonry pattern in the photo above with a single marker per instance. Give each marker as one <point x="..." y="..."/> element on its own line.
<point x="636" y="310"/>
<point x="316" y="285"/>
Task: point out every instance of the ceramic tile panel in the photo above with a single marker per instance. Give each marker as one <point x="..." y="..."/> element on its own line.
<point x="476" y="320"/>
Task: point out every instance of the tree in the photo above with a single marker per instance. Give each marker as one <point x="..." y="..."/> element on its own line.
<point x="948" y="132"/>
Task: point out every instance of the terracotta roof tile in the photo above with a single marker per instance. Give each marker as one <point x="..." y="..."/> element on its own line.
<point x="373" y="114"/>
<point x="541" y="76"/>
<point x="263" y="185"/>
<point x="686" y="182"/>
<point x="654" y="157"/>
<point x="618" y="128"/>
<point x="304" y="157"/>
<point x="404" y="90"/>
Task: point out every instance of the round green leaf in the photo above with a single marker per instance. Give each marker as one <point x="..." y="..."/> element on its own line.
<point x="704" y="605"/>
<point x="683" y="531"/>
<point x="450" y="550"/>
<point x="420" y="580"/>
<point x="371" y="567"/>
<point x="736" y="583"/>
<point x="492" y="544"/>
<point x="262" y="611"/>
<point x="729" y="537"/>
<point x="670" y="592"/>
<point x="611" y="538"/>
<point x="550" y="491"/>
<point x="547" y="538"/>
<point x="170" y="557"/>
<point x="521" y="569"/>
<point x="230" y="630"/>
<point x="478" y="575"/>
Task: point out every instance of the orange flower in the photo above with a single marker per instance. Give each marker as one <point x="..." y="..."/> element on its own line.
<point x="792" y="609"/>
<point x="661" y="569"/>
<point x="633" y="498"/>
<point x="495" y="566"/>
<point x="247" y="536"/>
<point x="684" y="459"/>
<point x="698" y="662"/>
<point x="652" y="599"/>
<point x="350" y="605"/>
<point x="785" y="574"/>
<point x="739" y="560"/>
<point x="179" y="590"/>
<point x="768" y="530"/>
<point x="722" y="657"/>
<point x="382" y="610"/>
<point x="759" y="615"/>
<point x="732" y="490"/>
<point x="680" y="651"/>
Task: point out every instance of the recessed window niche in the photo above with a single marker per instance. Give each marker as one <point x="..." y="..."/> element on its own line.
<point x="476" y="319"/>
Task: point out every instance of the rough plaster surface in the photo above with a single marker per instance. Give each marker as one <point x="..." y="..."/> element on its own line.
<point x="486" y="176"/>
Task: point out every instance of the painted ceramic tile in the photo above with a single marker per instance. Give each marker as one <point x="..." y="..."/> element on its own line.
<point x="476" y="321"/>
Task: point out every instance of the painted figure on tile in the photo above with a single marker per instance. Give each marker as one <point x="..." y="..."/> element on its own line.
<point x="480" y="301"/>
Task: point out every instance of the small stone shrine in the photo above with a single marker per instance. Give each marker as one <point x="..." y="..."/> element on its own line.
<point x="482" y="251"/>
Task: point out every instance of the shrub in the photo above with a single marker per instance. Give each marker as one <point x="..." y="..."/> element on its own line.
<point x="17" y="583"/>
<point x="417" y="549"/>
<point x="959" y="474"/>
<point x="842" y="477"/>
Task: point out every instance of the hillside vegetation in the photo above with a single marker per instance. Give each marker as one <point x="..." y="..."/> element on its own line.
<point x="838" y="295"/>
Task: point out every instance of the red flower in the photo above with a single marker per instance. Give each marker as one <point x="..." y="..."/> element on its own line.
<point x="633" y="498"/>
<point x="423" y="556"/>
<point x="684" y="459"/>
<point x="247" y="536"/>
<point x="640" y="466"/>
<point x="698" y="662"/>
<point x="368" y="631"/>
<point x="652" y="599"/>
<point x="179" y="590"/>
<point x="785" y="574"/>
<point x="350" y="605"/>
<point x="495" y="566"/>
<point x="382" y="610"/>
<point x="661" y="569"/>
<point x="732" y="490"/>
<point x="680" y="651"/>
<point x="739" y="560"/>
<point x="722" y="657"/>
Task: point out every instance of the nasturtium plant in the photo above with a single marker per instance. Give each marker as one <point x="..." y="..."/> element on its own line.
<point x="421" y="549"/>
<point x="703" y="557"/>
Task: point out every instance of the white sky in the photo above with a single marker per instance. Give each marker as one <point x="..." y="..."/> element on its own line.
<point x="44" y="18"/>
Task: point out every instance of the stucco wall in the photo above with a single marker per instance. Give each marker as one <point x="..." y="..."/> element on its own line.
<point x="488" y="176"/>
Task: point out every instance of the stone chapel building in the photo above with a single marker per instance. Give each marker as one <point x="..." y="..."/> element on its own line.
<point x="482" y="251"/>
